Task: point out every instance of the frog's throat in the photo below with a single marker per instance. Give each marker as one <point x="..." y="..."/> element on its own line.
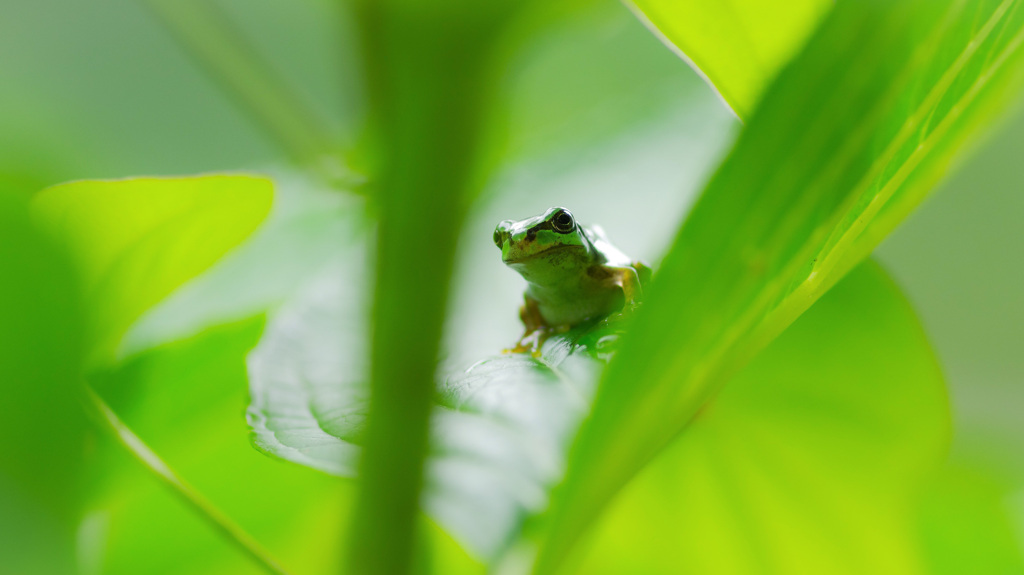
<point x="541" y="253"/>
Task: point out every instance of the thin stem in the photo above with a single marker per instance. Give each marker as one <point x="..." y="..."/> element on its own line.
<point x="108" y="421"/>
<point x="215" y="44"/>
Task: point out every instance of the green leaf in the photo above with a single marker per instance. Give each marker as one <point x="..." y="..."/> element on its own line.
<point x="301" y="235"/>
<point x="595" y="77"/>
<point x="737" y="45"/>
<point x="806" y="462"/>
<point x="970" y="520"/>
<point x="499" y="430"/>
<point x="848" y="139"/>
<point x="183" y="400"/>
<point x="43" y="425"/>
<point x="137" y="240"/>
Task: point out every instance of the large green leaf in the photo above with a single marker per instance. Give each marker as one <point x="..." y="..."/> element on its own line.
<point x="307" y="225"/>
<point x="183" y="400"/>
<point x="43" y="425"/>
<point x="852" y="135"/>
<point x="137" y="240"/>
<point x="805" y="463"/>
<point x="737" y="45"/>
<point x="969" y="518"/>
<point x="501" y="429"/>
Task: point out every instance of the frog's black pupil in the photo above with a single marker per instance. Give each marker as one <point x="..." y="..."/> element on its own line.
<point x="563" y="222"/>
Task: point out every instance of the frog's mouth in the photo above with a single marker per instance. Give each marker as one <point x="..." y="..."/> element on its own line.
<point x="526" y="258"/>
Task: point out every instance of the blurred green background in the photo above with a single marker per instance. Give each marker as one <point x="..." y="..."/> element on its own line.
<point x="596" y="115"/>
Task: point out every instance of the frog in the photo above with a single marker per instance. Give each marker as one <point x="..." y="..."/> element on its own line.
<point x="573" y="275"/>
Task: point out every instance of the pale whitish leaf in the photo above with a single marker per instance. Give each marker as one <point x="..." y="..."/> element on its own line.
<point x="500" y="429"/>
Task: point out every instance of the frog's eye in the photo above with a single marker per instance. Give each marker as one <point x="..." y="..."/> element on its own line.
<point x="563" y="222"/>
<point x="498" y="239"/>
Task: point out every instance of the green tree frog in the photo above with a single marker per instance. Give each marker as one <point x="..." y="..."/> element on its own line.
<point x="573" y="274"/>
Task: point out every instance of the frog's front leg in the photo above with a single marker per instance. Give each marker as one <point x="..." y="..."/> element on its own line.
<point x="530" y="315"/>
<point x="628" y="279"/>
<point x="535" y="330"/>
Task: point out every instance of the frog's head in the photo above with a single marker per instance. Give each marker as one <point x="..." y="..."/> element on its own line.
<point x="552" y="240"/>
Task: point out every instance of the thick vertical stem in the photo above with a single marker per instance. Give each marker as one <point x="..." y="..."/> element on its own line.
<point x="425" y="63"/>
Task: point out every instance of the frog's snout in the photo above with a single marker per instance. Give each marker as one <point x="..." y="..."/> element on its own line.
<point x="501" y="233"/>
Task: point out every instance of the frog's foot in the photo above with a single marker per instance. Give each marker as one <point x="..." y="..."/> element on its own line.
<point x="531" y="342"/>
<point x="524" y="344"/>
<point x="536" y="331"/>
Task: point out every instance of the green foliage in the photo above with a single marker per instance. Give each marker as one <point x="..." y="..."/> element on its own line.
<point x="738" y="45"/>
<point x="807" y="462"/>
<point x="792" y="208"/>
<point x="135" y="241"/>
<point x="499" y="430"/>
<point x="720" y="430"/>
<point x="427" y="94"/>
<point x="184" y="400"/>
<point x="42" y="453"/>
<point x="968" y="520"/>
<point x="502" y="428"/>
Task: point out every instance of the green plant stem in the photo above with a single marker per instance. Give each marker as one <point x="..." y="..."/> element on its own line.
<point x="208" y="35"/>
<point x="427" y="73"/>
<point x="108" y="421"/>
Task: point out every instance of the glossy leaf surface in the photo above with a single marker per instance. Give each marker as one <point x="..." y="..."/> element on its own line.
<point x="137" y="240"/>
<point x="862" y="123"/>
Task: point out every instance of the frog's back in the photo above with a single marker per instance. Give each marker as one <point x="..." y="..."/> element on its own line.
<point x="612" y="256"/>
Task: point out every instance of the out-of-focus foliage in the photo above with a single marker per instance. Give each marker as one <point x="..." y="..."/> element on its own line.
<point x="427" y="70"/>
<point x="738" y="45"/>
<point x="133" y="243"/>
<point x="855" y="122"/>
<point x="501" y="431"/>
<point x="43" y="425"/>
<point x="815" y="441"/>
<point x="184" y="400"/>
<point x="807" y="462"/>
<point x="207" y="33"/>
<point x="136" y="241"/>
<point x="308" y="226"/>
<point x="969" y="519"/>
